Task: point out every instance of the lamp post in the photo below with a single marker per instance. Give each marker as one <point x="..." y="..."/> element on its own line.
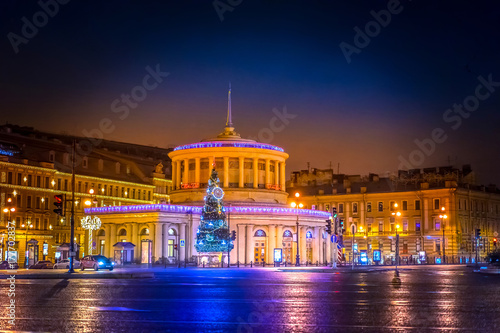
<point x="88" y="222"/>
<point x="443" y="217"/>
<point x="27" y="225"/>
<point x="297" y="206"/>
<point x="398" y="214"/>
<point x="8" y="209"/>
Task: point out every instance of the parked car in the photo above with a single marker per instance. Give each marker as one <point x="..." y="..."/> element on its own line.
<point x="42" y="264"/>
<point x="6" y="265"/>
<point x="96" y="262"/>
<point x="65" y="264"/>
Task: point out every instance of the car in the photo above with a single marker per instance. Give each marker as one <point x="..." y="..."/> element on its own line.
<point x="6" y="265"/>
<point x="65" y="264"/>
<point x="42" y="264"/>
<point x="96" y="262"/>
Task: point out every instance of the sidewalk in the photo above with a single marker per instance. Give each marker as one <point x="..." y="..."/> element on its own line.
<point x="63" y="274"/>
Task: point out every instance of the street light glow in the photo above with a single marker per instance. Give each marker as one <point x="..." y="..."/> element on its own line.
<point x="91" y="191"/>
<point x="293" y="204"/>
<point x="297" y="194"/>
<point x="301" y="205"/>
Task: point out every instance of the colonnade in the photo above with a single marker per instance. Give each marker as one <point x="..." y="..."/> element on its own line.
<point x="181" y="177"/>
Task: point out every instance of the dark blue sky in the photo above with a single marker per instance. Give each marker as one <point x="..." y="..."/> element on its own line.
<point x="364" y="114"/>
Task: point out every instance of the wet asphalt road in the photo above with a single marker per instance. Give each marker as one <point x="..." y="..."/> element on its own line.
<point x="447" y="298"/>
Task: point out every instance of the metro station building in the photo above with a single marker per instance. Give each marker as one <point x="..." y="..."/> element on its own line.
<point x="252" y="176"/>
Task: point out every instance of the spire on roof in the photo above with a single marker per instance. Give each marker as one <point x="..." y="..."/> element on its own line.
<point x="229" y="121"/>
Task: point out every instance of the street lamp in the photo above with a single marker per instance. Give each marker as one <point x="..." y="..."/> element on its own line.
<point x="443" y="217"/>
<point x="297" y="206"/>
<point x="398" y="214"/>
<point x="27" y="225"/>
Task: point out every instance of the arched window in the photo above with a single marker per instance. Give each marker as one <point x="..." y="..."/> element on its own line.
<point x="101" y="233"/>
<point x="309" y="234"/>
<point x="122" y="232"/>
<point x="287" y="233"/>
<point x="144" y="231"/>
<point x="260" y="233"/>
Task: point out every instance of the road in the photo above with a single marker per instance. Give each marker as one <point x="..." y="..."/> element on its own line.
<point x="437" y="298"/>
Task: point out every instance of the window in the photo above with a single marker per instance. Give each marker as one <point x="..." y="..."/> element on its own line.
<point x="37" y="203"/>
<point x="65" y="184"/>
<point x="437" y="245"/>
<point x="392" y="206"/>
<point x="380" y="226"/>
<point x="459" y="203"/>
<point x="79" y="187"/>
<point x="9" y="178"/>
<point x="465" y="204"/>
<point x="405" y="205"/>
<point x="436" y="204"/>
<point x="417" y="204"/>
<point x="30" y="179"/>
<point x="19" y="201"/>
<point x="38" y="181"/>
<point x="45" y="224"/>
<point x="355" y="207"/>
<point x="85" y="162"/>
<point x="59" y="184"/>
<point x="369" y="228"/>
<point x="52" y="156"/>
<point x="417" y="225"/>
<point x="19" y="179"/>
<point x="28" y="202"/>
<point x="405" y="225"/>
<point x="47" y="182"/>
<point x="369" y="207"/>
<point x="380" y="206"/>
<point x="313" y="207"/>
<point x="341" y="208"/>
<point x="327" y="207"/>
<point x="437" y="224"/>
<point x="46" y="203"/>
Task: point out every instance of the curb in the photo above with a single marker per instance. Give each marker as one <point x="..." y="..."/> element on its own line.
<point x="138" y="275"/>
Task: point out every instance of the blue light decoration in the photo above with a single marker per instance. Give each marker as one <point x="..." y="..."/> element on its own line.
<point x="198" y="210"/>
<point x="213" y="230"/>
<point x="287" y="233"/>
<point x="260" y="233"/>
<point x="309" y="234"/>
<point x="219" y="144"/>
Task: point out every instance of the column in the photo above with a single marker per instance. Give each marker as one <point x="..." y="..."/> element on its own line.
<point x="240" y="243"/>
<point x="226" y="171"/>
<point x="197" y="170"/>
<point x="268" y="173"/>
<point x="182" y="235"/>
<point x="133" y="239"/>
<point x="255" y="172"/>
<point x="271" y="244"/>
<point x="107" y="240"/>
<point x="321" y="257"/>
<point x="316" y="245"/>
<point x="276" y="173"/>
<point x="302" y="244"/>
<point x="185" y="179"/>
<point x="249" y="245"/>
<point x="241" y="161"/>
<point x="174" y="178"/>
<point x="165" y="228"/>
<point x="279" y="236"/>
<point x="282" y="175"/>
<point x="158" y="241"/>
<point x="112" y="239"/>
<point x="178" y="174"/>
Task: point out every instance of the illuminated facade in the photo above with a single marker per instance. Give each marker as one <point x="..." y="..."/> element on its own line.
<point x="35" y="166"/>
<point x="252" y="175"/>
<point x="425" y="228"/>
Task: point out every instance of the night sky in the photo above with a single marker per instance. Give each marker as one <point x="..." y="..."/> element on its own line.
<point x="364" y="114"/>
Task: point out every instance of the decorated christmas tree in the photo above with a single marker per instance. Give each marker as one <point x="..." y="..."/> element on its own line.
<point x="213" y="233"/>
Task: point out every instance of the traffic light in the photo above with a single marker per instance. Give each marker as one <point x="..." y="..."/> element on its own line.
<point x="495" y="242"/>
<point x="334" y="212"/>
<point x="329" y="226"/>
<point x="233" y="235"/>
<point x="175" y="246"/>
<point x="59" y="203"/>
<point x="478" y="233"/>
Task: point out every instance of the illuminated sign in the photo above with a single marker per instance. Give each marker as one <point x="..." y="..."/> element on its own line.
<point x="278" y="255"/>
<point x="219" y="144"/>
<point x="363" y="257"/>
<point x="377" y="256"/>
<point x="421" y="256"/>
<point x="58" y="255"/>
<point x="45" y="249"/>
<point x="182" y="242"/>
<point x="355" y="247"/>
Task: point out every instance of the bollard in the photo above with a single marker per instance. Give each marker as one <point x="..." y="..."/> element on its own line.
<point x="263" y="264"/>
<point x="251" y="264"/>
<point x="203" y="264"/>
<point x="185" y="263"/>
<point x="238" y="264"/>
<point x="317" y="263"/>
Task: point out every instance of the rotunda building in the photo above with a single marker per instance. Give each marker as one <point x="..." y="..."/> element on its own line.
<point x="252" y="176"/>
